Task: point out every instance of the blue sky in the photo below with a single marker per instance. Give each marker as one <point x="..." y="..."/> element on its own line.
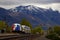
<point x="54" y="4"/>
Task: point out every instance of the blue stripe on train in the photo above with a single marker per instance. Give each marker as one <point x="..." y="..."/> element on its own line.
<point x="17" y="28"/>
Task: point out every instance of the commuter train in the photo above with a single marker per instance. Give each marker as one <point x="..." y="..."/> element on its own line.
<point x="20" y="28"/>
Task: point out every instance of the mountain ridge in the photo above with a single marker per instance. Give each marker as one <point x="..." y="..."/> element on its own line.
<point x="36" y="15"/>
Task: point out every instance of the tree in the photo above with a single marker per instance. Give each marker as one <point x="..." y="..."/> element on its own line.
<point x="57" y="29"/>
<point x="37" y="30"/>
<point x="9" y="29"/>
<point x="26" y="22"/>
<point x="50" y="30"/>
<point x="54" y="33"/>
<point x="2" y="24"/>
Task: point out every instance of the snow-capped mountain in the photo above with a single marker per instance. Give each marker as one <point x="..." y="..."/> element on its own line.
<point x="35" y="15"/>
<point x="27" y="8"/>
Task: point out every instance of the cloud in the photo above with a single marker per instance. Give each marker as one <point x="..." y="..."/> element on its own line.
<point x="8" y="2"/>
<point x="48" y="1"/>
<point x="54" y="4"/>
<point x="17" y="2"/>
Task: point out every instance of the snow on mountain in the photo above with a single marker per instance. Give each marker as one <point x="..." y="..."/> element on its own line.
<point x="35" y="15"/>
<point x="26" y="8"/>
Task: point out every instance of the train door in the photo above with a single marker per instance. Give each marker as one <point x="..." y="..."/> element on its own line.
<point x="17" y="28"/>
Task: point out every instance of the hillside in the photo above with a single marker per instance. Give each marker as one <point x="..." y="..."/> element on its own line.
<point x="36" y="15"/>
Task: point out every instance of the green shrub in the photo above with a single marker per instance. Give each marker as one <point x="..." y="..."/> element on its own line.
<point x="53" y="36"/>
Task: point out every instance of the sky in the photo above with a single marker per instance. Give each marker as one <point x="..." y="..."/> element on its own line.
<point x="54" y="4"/>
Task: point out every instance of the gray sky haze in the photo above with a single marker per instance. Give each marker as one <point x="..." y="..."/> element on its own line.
<point x="54" y="4"/>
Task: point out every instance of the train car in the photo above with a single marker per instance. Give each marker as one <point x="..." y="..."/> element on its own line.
<point x="26" y="29"/>
<point x="16" y="27"/>
<point x="20" y="28"/>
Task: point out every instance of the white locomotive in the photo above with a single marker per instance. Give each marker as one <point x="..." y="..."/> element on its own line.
<point x="20" y="28"/>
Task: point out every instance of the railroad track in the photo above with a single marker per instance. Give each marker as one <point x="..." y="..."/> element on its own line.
<point x="13" y="36"/>
<point x="17" y="37"/>
<point x="8" y="37"/>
